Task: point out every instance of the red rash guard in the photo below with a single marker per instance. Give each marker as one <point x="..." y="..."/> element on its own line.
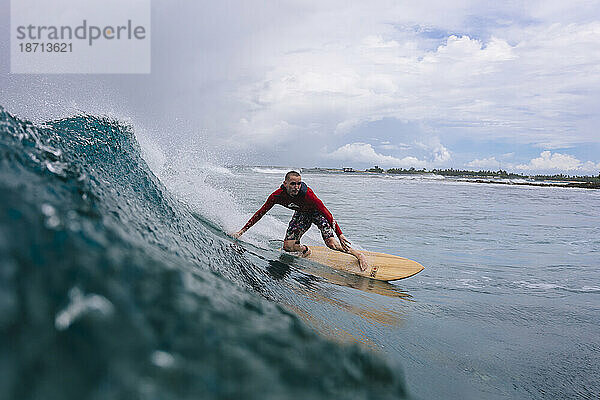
<point x="305" y="201"/>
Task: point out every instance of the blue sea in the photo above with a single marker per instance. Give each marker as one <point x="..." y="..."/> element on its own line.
<point x="118" y="280"/>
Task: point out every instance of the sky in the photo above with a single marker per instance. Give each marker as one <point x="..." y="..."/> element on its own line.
<point x="509" y="85"/>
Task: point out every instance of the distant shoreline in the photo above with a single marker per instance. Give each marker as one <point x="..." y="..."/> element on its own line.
<point x="584" y="185"/>
<point x="492" y="177"/>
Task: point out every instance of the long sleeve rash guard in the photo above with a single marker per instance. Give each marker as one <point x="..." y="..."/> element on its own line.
<point x="305" y="201"/>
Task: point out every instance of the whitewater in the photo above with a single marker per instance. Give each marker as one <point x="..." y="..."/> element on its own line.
<point x="119" y="280"/>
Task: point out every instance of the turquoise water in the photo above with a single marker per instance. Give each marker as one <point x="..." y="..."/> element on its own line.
<point x="112" y="289"/>
<point x="119" y="282"/>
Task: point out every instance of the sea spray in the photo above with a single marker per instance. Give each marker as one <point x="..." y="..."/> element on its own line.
<point x="111" y="288"/>
<point x="215" y="192"/>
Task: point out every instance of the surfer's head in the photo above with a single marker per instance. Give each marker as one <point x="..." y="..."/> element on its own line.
<point x="292" y="183"/>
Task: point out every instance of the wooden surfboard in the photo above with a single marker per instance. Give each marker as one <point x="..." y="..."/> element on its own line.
<point x="384" y="267"/>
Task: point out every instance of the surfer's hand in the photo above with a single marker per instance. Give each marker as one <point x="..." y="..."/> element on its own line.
<point x="238" y="234"/>
<point x="362" y="262"/>
<point x="344" y="242"/>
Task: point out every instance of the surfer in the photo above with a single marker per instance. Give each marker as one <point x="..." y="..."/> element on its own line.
<point x="309" y="209"/>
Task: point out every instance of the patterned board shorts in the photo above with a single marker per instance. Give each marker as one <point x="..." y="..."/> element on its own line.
<point x="301" y="221"/>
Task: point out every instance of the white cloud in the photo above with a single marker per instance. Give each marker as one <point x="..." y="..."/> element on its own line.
<point x="377" y="41"/>
<point x="522" y="71"/>
<point x="485" y="163"/>
<point x="530" y="83"/>
<point x="385" y="145"/>
<point x="439" y="153"/>
<point x="548" y="161"/>
<point x="365" y="154"/>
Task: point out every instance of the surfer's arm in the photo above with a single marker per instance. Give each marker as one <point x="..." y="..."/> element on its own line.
<point x="344" y="242"/>
<point x="325" y="212"/>
<point x="344" y="245"/>
<point x="257" y="216"/>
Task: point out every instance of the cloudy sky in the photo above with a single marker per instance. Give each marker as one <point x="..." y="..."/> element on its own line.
<point x="431" y="84"/>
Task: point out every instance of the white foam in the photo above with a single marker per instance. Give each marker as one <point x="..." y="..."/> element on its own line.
<point x="162" y="359"/>
<point x="264" y="170"/>
<point x="543" y="286"/>
<point x="470" y="283"/>
<point x="590" y="289"/>
<point x="189" y="184"/>
<point x="80" y="305"/>
<point x="151" y="152"/>
<point x="553" y="286"/>
<point x="415" y="177"/>
<point x="193" y="178"/>
<point x="216" y="169"/>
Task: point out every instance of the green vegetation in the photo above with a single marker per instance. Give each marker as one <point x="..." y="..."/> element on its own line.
<point x="492" y="174"/>
<point x="562" y="177"/>
<point x="407" y="171"/>
<point x="375" y="169"/>
<point x="484" y="173"/>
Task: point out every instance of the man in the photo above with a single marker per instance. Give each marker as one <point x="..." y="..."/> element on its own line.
<point x="295" y="195"/>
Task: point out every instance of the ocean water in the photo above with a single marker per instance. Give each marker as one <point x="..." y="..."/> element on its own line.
<point x="508" y="306"/>
<point x="118" y="280"/>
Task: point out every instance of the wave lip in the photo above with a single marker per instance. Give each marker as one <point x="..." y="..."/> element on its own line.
<point x="112" y="285"/>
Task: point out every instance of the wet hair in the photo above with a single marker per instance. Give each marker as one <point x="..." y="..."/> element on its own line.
<point x="290" y="174"/>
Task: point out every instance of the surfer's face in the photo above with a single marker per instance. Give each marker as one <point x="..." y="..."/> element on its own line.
<point x="292" y="185"/>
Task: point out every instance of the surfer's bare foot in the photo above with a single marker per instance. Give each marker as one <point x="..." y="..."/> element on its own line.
<point x="363" y="263"/>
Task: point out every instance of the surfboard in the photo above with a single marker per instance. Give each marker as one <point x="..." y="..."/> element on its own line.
<point x="384" y="267"/>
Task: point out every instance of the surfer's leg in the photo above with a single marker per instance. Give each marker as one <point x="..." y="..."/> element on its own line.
<point x="293" y="246"/>
<point x="362" y="259"/>
<point x="333" y="244"/>
<point x="329" y="238"/>
<point x="324" y="226"/>
<point x="298" y="225"/>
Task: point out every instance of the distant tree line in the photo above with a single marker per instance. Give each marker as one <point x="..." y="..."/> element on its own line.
<point x="484" y="173"/>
